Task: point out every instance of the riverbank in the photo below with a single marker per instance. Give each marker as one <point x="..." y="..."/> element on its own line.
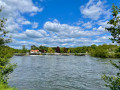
<point x="60" y="54"/>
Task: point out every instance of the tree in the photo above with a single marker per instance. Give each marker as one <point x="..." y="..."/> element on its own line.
<point x="65" y="50"/>
<point x="68" y="51"/>
<point x="43" y="49"/>
<point x="93" y="46"/>
<point x="113" y="82"/>
<point x="50" y="50"/>
<point x="24" y="50"/>
<point x="3" y="31"/>
<point x="114" y="29"/>
<point x="58" y="49"/>
<point x="33" y="47"/>
<point x="5" y="67"/>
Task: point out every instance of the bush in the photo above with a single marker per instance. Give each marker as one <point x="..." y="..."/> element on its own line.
<point x="117" y="55"/>
<point x="100" y="52"/>
<point x="6" y="87"/>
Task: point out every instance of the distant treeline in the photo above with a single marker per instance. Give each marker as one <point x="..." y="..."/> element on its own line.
<point x="58" y="49"/>
<point x="104" y="51"/>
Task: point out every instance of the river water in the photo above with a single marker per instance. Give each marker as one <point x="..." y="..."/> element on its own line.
<point x="60" y="72"/>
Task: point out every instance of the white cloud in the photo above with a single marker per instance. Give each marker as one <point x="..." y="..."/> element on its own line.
<point x="26" y="22"/>
<point x="87" y="25"/>
<point x="100" y="28"/>
<point x="35" y="25"/>
<point x="36" y="34"/>
<point x="51" y="26"/>
<point x="13" y="10"/>
<point x="103" y="39"/>
<point x="33" y="14"/>
<point x="53" y="33"/>
<point x="64" y="36"/>
<point x="65" y="30"/>
<point x="78" y="22"/>
<point x="29" y="34"/>
<point x="94" y="10"/>
<point x="103" y="23"/>
<point x="19" y="5"/>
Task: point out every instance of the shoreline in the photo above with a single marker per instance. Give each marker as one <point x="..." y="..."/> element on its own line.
<point x="56" y="54"/>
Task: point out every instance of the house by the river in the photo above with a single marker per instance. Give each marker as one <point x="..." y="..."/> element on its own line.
<point x="35" y="52"/>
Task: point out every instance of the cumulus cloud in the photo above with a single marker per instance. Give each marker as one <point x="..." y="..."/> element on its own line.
<point x="87" y="25"/>
<point x="36" y="34"/>
<point x="102" y="39"/>
<point x="53" y="33"/>
<point x="35" y="25"/>
<point x="26" y="22"/>
<point x="30" y="34"/>
<point x="13" y="10"/>
<point x="94" y="10"/>
<point x="56" y="34"/>
<point x="65" y="30"/>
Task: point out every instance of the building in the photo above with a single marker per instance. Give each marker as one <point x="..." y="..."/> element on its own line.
<point x="34" y="51"/>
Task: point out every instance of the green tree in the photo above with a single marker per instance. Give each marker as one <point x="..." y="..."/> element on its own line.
<point x="50" y="50"/>
<point x="43" y="49"/>
<point x="114" y="29"/>
<point x="3" y="31"/>
<point x="24" y="50"/>
<point x="33" y="47"/>
<point x="5" y="53"/>
<point x="113" y="82"/>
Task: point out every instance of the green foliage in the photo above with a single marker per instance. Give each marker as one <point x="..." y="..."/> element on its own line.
<point x="117" y="55"/>
<point x="103" y="51"/>
<point x="5" y="54"/>
<point x="43" y="49"/>
<point x="3" y="31"/>
<point x="93" y="46"/>
<point x="6" y="87"/>
<point x="115" y="25"/>
<point x="24" y="50"/>
<point x="61" y="50"/>
<point x="33" y="47"/>
<point x="83" y="49"/>
<point x="76" y="54"/>
<point x="5" y="67"/>
<point x="50" y="50"/>
<point x="113" y="82"/>
<point x="68" y="51"/>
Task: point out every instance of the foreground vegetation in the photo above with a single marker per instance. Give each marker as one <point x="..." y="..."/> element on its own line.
<point x="113" y="82"/>
<point x="5" y="54"/>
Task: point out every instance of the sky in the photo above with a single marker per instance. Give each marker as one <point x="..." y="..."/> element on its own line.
<point x="64" y="23"/>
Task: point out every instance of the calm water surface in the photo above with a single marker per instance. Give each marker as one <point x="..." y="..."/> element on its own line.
<point x="60" y="72"/>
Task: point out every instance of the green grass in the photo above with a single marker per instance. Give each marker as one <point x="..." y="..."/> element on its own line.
<point x="6" y="87"/>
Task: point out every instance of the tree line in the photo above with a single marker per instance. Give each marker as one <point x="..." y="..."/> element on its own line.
<point x="103" y="51"/>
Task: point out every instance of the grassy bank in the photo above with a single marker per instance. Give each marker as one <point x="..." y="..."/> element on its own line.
<point x="6" y="87"/>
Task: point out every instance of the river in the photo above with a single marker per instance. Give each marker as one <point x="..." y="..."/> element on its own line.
<point x="60" y="72"/>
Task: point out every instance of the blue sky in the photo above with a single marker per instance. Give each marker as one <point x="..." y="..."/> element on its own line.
<point x="64" y="23"/>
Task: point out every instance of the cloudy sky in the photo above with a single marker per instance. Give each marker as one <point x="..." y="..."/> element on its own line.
<point x="64" y="23"/>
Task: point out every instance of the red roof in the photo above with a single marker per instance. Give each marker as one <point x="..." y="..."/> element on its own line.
<point x="34" y="51"/>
